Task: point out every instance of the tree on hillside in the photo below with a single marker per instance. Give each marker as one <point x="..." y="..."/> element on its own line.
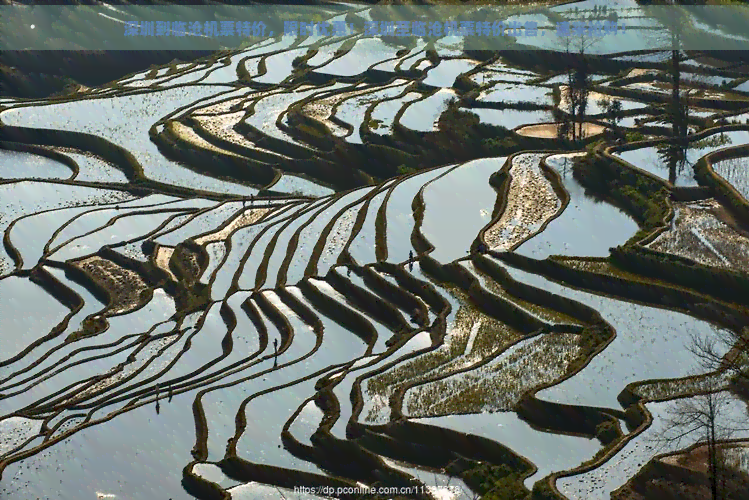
<point x="581" y="89"/>
<point x="563" y="121"/>
<point x="676" y="113"/>
<point x="711" y="351"/>
<point x="578" y="80"/>
<point x="564" y="126"/>
<point x="613" y="111"/>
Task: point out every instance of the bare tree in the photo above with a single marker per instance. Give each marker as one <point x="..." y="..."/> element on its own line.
<point x="727" y="350"/>
<point x="705" y="418"/>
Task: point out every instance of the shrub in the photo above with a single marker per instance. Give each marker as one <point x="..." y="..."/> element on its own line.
<point x="374" y="124"/>
<point x="405" y="170"/>
<point x="634" y="136"/>
<point x="542" y="491"/>
<point x="499" y="146"/>
<point x="634" y="416"/>
<point x="607" y="432"/>
<point x="89" y="327"/>
<point x="496" y="482"/>
<point x="507" y="488"/>
<point x="644" y="199"/>
<point x="465" y="84"/>
<point x="298" y="61"/>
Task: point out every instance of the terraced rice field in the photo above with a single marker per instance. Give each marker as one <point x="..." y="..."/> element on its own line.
<point x="651" y="160"/>
<point x="735" y="173"/>
<point x="297" y="265"/>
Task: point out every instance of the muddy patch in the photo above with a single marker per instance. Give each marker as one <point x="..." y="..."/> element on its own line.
<point x="698" y="233"/>
<point x="124" y="286"/>
<point x="531" y="201"/>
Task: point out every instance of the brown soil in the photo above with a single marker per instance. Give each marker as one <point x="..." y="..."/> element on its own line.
<point x="549" y="130"/>
<point x="638" y="72"/>
<point x="695" y="460"/>
<point x="189" y="135"/>
<point x="124" y="285"/>
<point x="163" y="255"/>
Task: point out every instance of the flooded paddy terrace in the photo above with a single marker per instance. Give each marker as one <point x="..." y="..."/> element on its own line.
<point x="274" y="274"/>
